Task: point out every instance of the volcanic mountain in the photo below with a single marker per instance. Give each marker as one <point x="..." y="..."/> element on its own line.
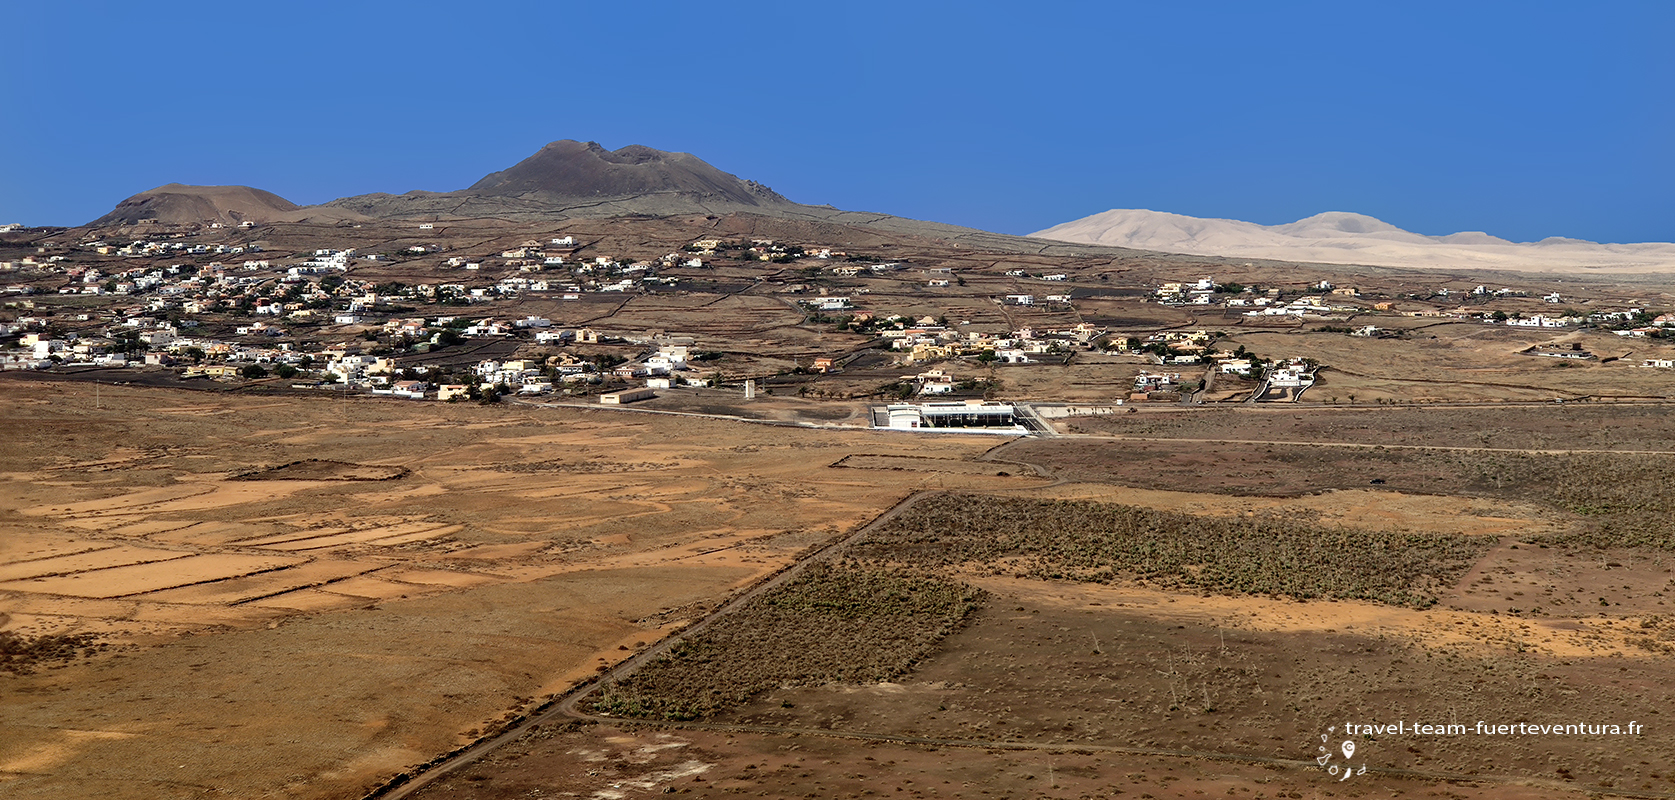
<point x="179" y="204"/>
<point x="570" y="170"/>
<point x="1338" y="237"/>
<point x="569" y="178"/>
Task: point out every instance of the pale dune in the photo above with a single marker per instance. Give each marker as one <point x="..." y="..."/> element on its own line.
<point x="1337" y="237"/>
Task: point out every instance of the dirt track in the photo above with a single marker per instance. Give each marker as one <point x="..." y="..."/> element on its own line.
<point x="569" y="707"/>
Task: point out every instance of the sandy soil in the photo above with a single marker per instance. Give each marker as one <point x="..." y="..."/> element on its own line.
<point x="606" y="762"/>
<point x="1545" y="426"/>
<point x="1067" y="665"/>
<point x="310" y="638"/>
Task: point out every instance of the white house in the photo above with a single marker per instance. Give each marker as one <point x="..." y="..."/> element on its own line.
<point x="935" y="381"/>
<point x="831" y="303"/>
<point x="1537" y="321"/>
<point x="1290" y="376"/>
<point x="675" y="354"/>
<point x="412" y="390"/>
<point x="1012" y="356"/>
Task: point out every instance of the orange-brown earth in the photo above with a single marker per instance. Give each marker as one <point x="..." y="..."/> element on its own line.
<point x="295" y="633"/>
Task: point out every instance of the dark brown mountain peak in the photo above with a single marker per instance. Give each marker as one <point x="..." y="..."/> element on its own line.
<point x="567" y="171"/>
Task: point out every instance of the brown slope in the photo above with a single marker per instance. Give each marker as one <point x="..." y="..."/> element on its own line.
<point x="569" y="178"/>
<point x="571" y="170"/>
<point x="179" y="204"/>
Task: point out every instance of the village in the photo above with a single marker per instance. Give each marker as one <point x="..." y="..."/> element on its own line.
<point x="311" y="320"/>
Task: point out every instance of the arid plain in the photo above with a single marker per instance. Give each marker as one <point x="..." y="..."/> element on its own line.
<point x="275" y="637"/>
<point x="306" y="597"/>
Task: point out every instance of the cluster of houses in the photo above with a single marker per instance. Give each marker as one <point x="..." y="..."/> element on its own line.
<point x="264" y="300"/>
<point x="1635" y="323"/>
<point x="1304" y="306"/>
<point x="1323" y="301"/>
<point x="1542" y="321"/>
<point x="311" y="288"/>
<point x="1266" y="303"/>
<point x="762" y="250"/>
<point x="258" y="279"/>
<point x="1174" y="348"/>
<point x="925" y="339"/>
<point x="1199" y="293"/>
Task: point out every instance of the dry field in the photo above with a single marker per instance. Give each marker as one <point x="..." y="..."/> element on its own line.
<point x="1169" y="646"/>
<point x="1472" y="362"/>
<point x="609" y="761"/>
<point x="1571" y="426"/>
<point x="1057" y="689"/>
<point x="300" y="597"/>
<point x="1061" y="665"/>
<point x="843" y="623"/>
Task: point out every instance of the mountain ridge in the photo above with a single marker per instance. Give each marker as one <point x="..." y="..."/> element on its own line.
<point x="567" y="179"/>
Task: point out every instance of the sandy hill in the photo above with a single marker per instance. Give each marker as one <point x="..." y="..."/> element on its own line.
<point x="1338" y="237"/>
<point x="179" y="204"/>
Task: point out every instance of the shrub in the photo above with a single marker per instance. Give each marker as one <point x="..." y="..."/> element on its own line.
<point x="834" y="622"/>
<point x="1099" y="542"/>
<point x="20" y="654"/>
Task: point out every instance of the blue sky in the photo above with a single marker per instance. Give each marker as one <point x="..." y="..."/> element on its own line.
<point x="1524" y="119"/>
